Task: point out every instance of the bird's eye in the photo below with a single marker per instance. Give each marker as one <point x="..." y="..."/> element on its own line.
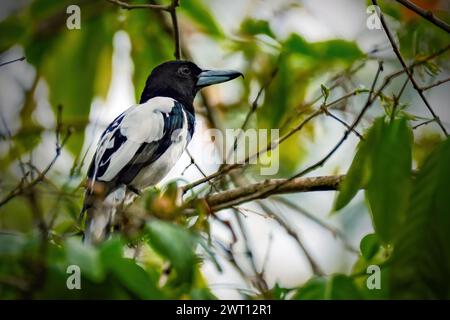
<point x="185" y="71"/>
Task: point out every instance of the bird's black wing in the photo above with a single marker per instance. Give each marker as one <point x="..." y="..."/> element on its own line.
<point x="136" y="138"/>
<point x="150" y="152"/>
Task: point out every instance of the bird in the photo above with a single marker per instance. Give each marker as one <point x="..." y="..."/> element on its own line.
<point x="141" y="145"/>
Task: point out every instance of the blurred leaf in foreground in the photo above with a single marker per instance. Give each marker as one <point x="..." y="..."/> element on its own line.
<point x="421" y="265"/>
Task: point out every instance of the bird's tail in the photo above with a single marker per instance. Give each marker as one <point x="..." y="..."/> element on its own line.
<point x="100" y="213"/>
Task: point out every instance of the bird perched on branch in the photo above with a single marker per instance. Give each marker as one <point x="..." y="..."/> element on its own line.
<point x="142" y="144"/>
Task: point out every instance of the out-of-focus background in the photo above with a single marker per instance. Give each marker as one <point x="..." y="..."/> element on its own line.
<point x="296" y="51"/>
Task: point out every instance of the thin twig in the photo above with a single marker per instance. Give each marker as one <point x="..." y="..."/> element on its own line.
<point x="435" y="84"/>
<point x="272" y="144"/>
<point x="345" y="124"/>
<point x="266" y="257"/>
<point x="291" y="232"/>
<point x="426" y="14"/>
<point x="334" y="231"/>
<point x="12" y="61"/>
<point x="266" y="192"/>
<point x="423" y="123"/>
<point x="176" y="31"/>
<point x="253" y="107"/>
<point x="261" y="283"/>
<point x="128" y="6"/>
<point x="397" y="97"/>
<point x="407" y="70"/>
<point x="22" y="187"/>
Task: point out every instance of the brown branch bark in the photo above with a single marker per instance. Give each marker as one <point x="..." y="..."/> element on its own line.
<point x="229" y="198"/>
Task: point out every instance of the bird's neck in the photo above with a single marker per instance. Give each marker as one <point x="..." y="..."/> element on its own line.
<point x="186" y="101"/>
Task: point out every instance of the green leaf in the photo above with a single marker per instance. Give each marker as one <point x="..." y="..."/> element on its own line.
<point x="86" y="257"/>
<point x="131" y="275"/>
<point x="360" y="170"/>
<point x="72" y="86"/>
<point x="338" y="50"/>
<point x="13" y="30"/>
<point x="201" y="15"/>
<point x="148" y="47"/>
<point x="326" y="51"/>
<point x="390" y="183"/>
<point x="325" y="92"/>
<point x="335" y="287"/>
<point x="253" y="27"/>
<point x="369" y="246"/>
<point x="279" y="293"/>
<point x="201" y="294"/>
<point x="136" y="279"/>
<point x="421" y="262"/>
<point x="341" y="287"/>
<point x="297" y="44"/>
<point x="278" y="94"/>
<point x="175" y="243"/>
<point x="314" y="289"/>
<point x="382" y="164"/>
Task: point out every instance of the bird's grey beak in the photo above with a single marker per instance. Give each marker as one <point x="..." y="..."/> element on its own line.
<point x="209" y="77"/>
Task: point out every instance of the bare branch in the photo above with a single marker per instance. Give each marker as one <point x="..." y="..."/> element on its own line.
<point x="254" y="107"/>
<point x="12" y="61"/>
<point x="334" y="231"/>
<point x="437" y="83"/>
<point x="424" y="123"/>
<point x="260" y="282"/>
<point x="128" y="6"/>
<point x="427" y="15"/>
<point x="228" y="198"/>
<point x="272" y="144"/>
<point x="321" y="162"/>
<point x="345" y="124"/>
<point x="176" y="31"/>
<point x="23" y="187"/>
<point x="290" y="231"/>
<point x="407" y="70"/>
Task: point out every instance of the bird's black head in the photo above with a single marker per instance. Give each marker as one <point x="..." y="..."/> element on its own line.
<point x="181" y="80"/>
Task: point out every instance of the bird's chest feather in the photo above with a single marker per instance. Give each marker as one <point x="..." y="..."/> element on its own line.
<point x="157" y="170"/>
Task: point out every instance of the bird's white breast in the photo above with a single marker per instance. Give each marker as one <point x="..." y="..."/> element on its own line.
<point x="156" y="171"/>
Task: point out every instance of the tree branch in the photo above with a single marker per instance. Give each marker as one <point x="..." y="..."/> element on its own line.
<point x="387" y="80"/>
<point x="127" y="6"/>
<point x="12" y="61"/>
<point x="321" y="162"/>
<point x="437" y="83"/>
<point x="315" y="268"/>
<point x="407" y="70"/>
<point x="176" y="30"/>
<point x="427" y="15"/>
<point x="229" y="198"/>
<point x="23" y="186"/>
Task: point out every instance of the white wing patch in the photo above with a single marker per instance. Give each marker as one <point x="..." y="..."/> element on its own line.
<point x="120" y="159"/>
<point x="143" y="123"/>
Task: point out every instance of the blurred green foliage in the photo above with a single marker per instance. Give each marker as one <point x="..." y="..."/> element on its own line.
<point x="410" y="211"/>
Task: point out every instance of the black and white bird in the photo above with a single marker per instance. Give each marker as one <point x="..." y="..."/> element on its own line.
<point x="142" y="144"/>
